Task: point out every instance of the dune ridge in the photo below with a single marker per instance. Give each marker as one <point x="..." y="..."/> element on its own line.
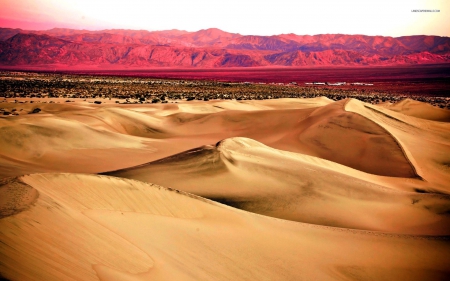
<point x="420" y="110"/>
<point x="425" y="142"/>
<point x="246" y="174"/>
<point x="288" y="189"/>
<point x="51" y="242"/>
<point x="160" y="246"/>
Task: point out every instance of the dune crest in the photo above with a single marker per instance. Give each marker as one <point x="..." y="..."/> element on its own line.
<point x="249" y="175"/>
<point x="332" y="133"/>
<point x="425" y="143"/>
<point x="288" y="189"/>
<point x="102" y="241"/>
<point x="337" y="131"/>
<point x="420" y="110"/>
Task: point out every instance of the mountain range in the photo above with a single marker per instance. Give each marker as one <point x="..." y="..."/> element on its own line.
<point x="212" y="47"/>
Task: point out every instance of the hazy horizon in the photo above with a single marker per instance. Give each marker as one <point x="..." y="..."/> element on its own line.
<point x="193" y="31"/>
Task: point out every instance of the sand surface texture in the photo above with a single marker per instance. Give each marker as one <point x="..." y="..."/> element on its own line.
<point x="287" y="189"/>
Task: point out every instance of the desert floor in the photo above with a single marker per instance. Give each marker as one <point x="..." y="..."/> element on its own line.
<point x="285" y="189"/>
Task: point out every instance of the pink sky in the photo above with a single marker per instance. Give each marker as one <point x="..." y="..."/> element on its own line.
<point x="382" y="17"/>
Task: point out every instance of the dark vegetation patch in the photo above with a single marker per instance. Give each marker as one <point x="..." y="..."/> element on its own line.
<point x="137" y="87"/>
<point x="16" y="197"/>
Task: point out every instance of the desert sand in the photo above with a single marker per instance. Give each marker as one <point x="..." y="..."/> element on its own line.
<point x="286" y="189"/>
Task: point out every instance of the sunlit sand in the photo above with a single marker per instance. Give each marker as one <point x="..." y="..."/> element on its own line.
<point x="287" y="189"/>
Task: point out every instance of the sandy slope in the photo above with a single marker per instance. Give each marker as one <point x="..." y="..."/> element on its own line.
<point x="420" y="110"/>
<point x="89" y="138"/>
<point x="86" y="227"/>
<point x="329" y="132"/>
<point x="249" y="175"/>
<point x="411" y="153"/>
<point x="425" y="143"/>
<point x="49" y="143"/>
<point x="333" y="171"/>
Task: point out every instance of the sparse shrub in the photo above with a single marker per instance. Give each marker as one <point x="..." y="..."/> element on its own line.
<point x="36" y="110"/>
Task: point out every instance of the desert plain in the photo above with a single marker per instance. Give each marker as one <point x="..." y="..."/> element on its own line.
<point x="166" y="187"/>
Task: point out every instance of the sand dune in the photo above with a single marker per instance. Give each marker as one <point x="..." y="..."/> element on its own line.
<point x="328" y="132"/>
<point x="248" y="175"/>
<point x="88" y="138"/>
<point x="86" y="227"/>
<point x="332" y="133"/>
<point x="420" y="110"/>
<point x="48" y="143"/>
<point x="425" y="143"/>
<point x="312" y="189"/>
<point x="123" y="121"/>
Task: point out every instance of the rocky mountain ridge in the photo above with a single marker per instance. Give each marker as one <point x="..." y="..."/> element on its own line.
<point x="213" y="48"/>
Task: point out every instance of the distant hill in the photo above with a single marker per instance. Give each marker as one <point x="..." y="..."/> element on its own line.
<point x="213" y="48"/>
